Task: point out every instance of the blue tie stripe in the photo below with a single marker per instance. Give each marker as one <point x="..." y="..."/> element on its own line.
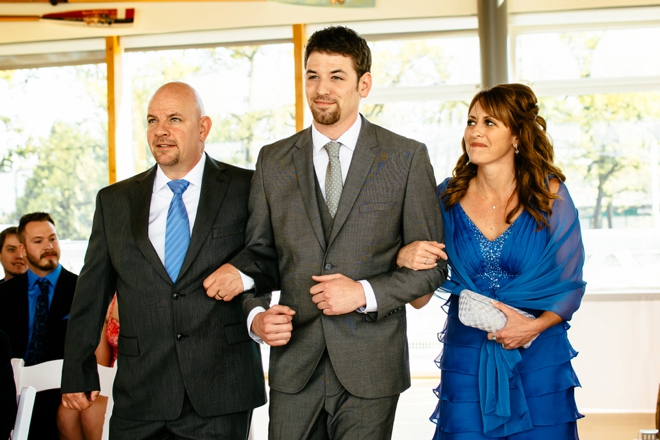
<point x="177" y="230"/>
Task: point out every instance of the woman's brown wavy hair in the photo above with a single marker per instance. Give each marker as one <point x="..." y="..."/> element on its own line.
<point x="516" y="106"/>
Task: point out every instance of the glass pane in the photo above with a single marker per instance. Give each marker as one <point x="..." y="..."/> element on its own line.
<point x="248" y="91"/>
<point x="426" y="62"/>
<point x="590" y="54"/>
<point x="605" y="145"/>
<point x="53" y="145"/>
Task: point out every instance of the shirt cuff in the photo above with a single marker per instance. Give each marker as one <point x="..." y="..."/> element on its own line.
<point x="248" y="283"/>
<point x="250" y="318"/>
<point x="369" y="296"/>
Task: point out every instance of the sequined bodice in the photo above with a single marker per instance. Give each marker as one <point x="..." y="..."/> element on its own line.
<point x="493" y="273"/>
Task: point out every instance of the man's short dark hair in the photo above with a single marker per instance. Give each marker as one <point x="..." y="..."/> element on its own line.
<point x="340" y="40"/>
<point x="12" y="230"/>
<point x="32" y="217"/>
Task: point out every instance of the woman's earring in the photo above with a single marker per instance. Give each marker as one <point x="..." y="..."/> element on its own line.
<point x="515" y="147"/>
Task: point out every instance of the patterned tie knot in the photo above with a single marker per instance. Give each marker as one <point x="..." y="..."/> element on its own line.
<point x="43" y="283"/>
<point x="332" y="148"/>
<point x="178" y="186"/>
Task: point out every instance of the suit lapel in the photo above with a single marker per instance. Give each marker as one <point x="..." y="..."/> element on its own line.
<point x="214" y="187"/>
<point x="140" y="203"/>
<point x="304" y="163"/>
<point x="57" y="311"/>
<point x="23" y="317"/>
<point x="361" y="164"/>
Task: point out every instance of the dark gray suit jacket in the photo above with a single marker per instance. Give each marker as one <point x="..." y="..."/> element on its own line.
<point x="388" y="201"/>
<point x="173" y="338"/>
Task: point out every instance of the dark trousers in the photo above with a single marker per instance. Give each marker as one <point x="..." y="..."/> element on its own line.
<point x="43" y="425"/>
<point x="324" y="410"/>
<point x="189" y="425"/>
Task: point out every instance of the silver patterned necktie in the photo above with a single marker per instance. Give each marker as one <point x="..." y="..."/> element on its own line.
<point x="333" y="180"/>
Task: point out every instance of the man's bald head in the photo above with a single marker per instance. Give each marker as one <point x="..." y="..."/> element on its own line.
<point x="184" y="89"/>
<point x="177" y="127"/>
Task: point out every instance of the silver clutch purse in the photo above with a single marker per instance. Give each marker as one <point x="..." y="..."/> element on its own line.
<point x="476" y="310"/>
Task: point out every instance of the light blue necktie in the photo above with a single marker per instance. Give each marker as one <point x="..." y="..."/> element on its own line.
<point x="177" y="231"/>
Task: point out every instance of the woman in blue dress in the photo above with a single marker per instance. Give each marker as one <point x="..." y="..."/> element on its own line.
<point x="511" y="233"/>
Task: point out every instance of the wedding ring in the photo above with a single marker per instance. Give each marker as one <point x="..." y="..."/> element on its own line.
<point x="427" y="261"/>
<point x="503" y="346"/>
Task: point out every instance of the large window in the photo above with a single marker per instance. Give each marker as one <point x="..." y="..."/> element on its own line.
<point x="53" y="145"/>
<point x="599" y="91"/>
<point x="247" y="92"/>
<point x="422" y="87"/>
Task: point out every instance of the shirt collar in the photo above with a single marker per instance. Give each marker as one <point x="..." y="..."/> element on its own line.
<point x="348" y="139"/>
<point x="51" y="277"/>
<point x="194" y="176"/>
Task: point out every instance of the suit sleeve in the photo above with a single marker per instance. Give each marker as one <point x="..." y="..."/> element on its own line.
<point x="7" y="389"/>
<point x="421" y="221"/>
<point x="94" y="291"/>
<point x="258" y="259"/>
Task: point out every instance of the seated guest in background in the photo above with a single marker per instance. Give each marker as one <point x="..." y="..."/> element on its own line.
<point x="7" y="389"/>
<point x="88" y="424"/>
<point x="34" y="311"/>
<point x="11" y="254"/>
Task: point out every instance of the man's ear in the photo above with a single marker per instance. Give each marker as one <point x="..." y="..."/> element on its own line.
<point x="364" y="84"/>
<point x="204" y="127"/>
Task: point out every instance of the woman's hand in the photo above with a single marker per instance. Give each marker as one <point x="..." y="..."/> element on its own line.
<point x="519" y="330"/>
<point x="421" y="255"/>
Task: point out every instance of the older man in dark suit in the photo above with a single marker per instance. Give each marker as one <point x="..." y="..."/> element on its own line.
<point x="330" y="207"/>
<point x="35" y="308"/>
<point x="187" y="367"/>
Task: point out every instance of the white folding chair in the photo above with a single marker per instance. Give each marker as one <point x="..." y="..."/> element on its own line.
<point x="24" y="413"/>
<point x="47" y="376"/>
<point x="648" y="434"/>
<point x="107" y="379"/>
<point x="29" y="380"/>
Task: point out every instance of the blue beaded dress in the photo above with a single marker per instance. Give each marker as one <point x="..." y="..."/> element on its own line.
<point x="487" y="392"/>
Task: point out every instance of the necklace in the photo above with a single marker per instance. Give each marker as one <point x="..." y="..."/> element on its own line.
<point x="498" y="202"/>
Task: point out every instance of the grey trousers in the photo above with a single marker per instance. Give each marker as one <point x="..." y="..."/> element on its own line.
<point x="324" y="410"/>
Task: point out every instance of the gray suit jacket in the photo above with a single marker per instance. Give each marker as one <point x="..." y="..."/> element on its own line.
<point x="173" y="337"/>
<point x="388" y="201"/>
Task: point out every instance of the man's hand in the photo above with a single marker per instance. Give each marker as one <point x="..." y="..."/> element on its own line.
<point x="274" y="326"/>
<point x="224" y="284"/>
<point x="337" y="294"/>
<point x="79" y="401"/>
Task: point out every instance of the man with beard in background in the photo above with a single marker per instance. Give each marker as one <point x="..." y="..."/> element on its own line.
<point x="34" y="311"/>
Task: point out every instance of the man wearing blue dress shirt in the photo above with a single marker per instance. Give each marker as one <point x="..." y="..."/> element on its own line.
<point x="34" y="311"/>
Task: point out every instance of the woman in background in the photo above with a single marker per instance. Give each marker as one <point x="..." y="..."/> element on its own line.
<point x="88" y="424"/>
<point x="511" y="233"/>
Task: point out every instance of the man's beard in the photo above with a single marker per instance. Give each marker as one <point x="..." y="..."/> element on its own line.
<point x="47" y="265"/>
<point x="166" y="158"/>
<point x="326" y="117"/>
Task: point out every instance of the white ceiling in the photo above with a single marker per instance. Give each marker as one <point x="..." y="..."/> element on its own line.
<point x="172" y="17"/>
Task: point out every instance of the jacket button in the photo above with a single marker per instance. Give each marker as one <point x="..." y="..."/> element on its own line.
<point x="176" y="296"/>
<point x="180" y="337"/>
<point x="328" y="266"/>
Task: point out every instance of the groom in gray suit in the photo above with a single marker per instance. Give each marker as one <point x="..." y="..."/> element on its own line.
<point x="330" y="207"/>
<point x="187" y="367"/>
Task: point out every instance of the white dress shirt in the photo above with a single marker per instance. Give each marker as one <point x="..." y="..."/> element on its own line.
<point x="348" y="141"/>
<point x="160" y="204"/>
